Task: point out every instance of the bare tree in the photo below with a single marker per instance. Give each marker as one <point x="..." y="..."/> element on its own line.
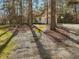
<point x="10" y="8"/>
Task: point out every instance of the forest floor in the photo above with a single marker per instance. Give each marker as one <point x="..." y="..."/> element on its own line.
<point x="34" y="44"/>
<point x="72" y="27"/>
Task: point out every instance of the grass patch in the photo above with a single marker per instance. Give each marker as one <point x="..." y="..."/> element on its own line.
<point x="9" y="47"/>
<point x="3" y="26"/>
<point x="41" y="27"/>
<point x="5" y="37"/>
<point x="2" y="31"/>
<point x="5" y="53"/>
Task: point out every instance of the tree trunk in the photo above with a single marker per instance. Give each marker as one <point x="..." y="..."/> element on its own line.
<point x="53" y="15"/>
<point x="30" y="13"/>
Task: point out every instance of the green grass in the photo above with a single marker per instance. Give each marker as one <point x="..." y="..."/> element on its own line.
<point x="9" y="47"/>
<point x="2" y="26"/>
<point x="5" y="37"/>
<point x="41" y="27"/>
<point x="5" y="53"/>
<point x="3" y="30"/>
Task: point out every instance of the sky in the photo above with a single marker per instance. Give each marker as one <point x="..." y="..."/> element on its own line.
<point x="1" y="11"/>
<point x="1" y="3"/>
